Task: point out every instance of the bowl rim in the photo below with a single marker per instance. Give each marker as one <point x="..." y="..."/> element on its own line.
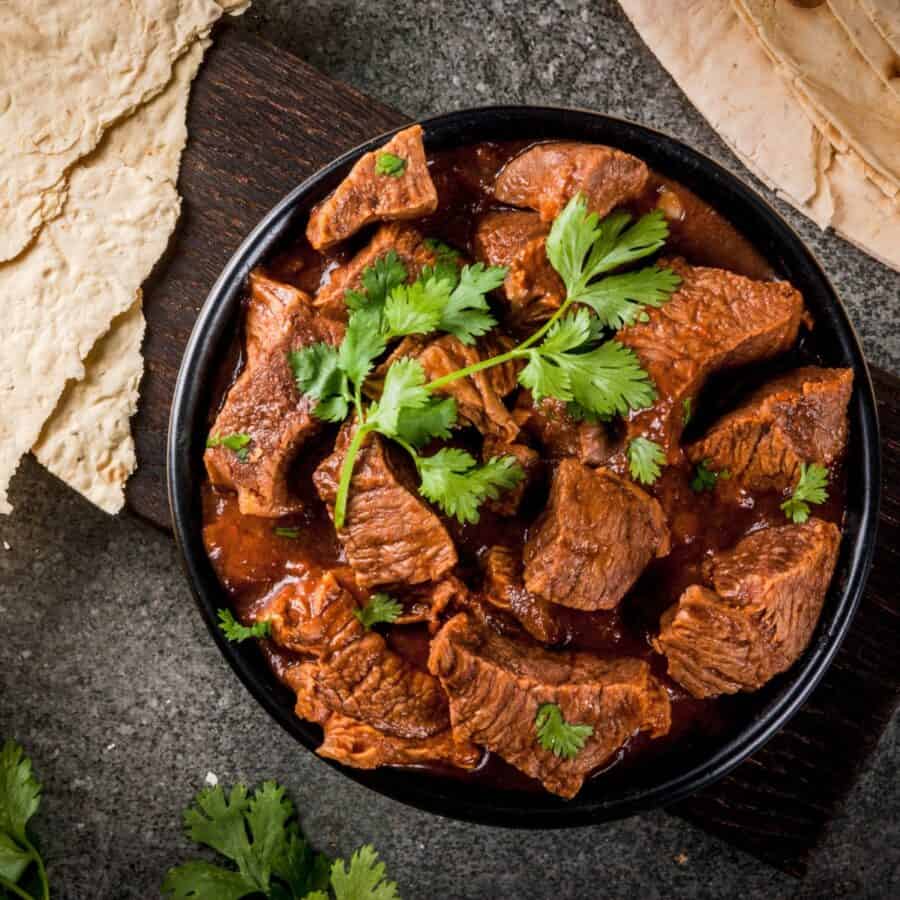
<point x="448" y="796"/>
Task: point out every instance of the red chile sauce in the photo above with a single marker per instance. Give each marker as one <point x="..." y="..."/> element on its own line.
<point x="252" y="562"/>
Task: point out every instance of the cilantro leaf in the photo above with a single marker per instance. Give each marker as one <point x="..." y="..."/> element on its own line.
<point x="705" y="478"/>
<point x="686" y="411"/>
<point x="619" y="300"/>
<point x="236" y="442"/>
<point x="20" y="791"/>
<point x="378" y="281"/>
<point x="282" y="531"/>
<point x="380" y="608"/>
<point x="364" y="879"/>
<point x="558" y="736"/>
<point x="235" y="632"/>
<point x="466" y="314"/>
<point x="204" y="881"/>
<point x="453" y="480"/>
<point x="416" y="308"/>
<point x="434" y="420"/>
<point x="811" y="488"/>
<point x="318" y="373"/>
<point x="390" y="164"/>
<point x="644" y="459"/>
<point x="363" y="343"/>
<point x="404" y="388"/>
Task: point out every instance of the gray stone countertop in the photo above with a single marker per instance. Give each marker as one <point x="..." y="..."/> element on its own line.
<point x="109" y="677"/>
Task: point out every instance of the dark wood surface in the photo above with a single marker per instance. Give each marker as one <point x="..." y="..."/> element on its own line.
<point x="260" y="122"/>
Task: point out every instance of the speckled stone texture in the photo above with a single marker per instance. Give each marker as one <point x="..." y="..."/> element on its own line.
<point x="107" y="673"/>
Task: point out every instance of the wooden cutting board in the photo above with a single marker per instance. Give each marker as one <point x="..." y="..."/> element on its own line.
<point x="260" y="122"/>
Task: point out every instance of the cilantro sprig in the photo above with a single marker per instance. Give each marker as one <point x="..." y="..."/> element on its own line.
<point x="645" y="458"/>
<point x="260" y="836"/>
<point x="238" y="443"/>
<point x="555" y="734"/>
<point x="811" y="488"/>
<point x="236" y="632"/>
<point x="379" y="608"/>
<point x="569" y="358"/>
<point x="22" y="872"/>
<point x="705" y="478"/>
<point x="390" y="164"/>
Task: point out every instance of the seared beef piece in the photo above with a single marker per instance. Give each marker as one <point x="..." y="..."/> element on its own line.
<point x="547" y="176"/>
<point x="364" y="196"/>
<point x="504" y="589"/>
<point x="390" y="535"/>
<point x="264" y="402"/>
<point x="768" y="592"/>
<point x="561" y="436"/>
<point x="517" y="240"/>
<point x="594" y="539"/>
<point x="356" y="673"/>
<point x="798" y="418"/>
<point x="404" y="240"/>
<point x="508" y="503"/>
<point x="428" y="602"/>
<point x="358" y="744"/>
<point x="496" y="686"/>
<point x="715" y="320"/>
<point x="479" y="397"/>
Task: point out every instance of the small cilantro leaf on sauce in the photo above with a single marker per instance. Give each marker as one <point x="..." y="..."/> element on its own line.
<point x="236" y="632"/>
<point x="390" y="165"/>
<point x="380" y="608"/>
<point x="555" y="734"/>
<point x="811" y="488"/>
<point x="645" y="457"/>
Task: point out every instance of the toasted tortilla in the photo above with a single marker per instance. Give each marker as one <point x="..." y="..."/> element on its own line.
<point x="87" y="442"/>
<point x="869" y="41"/>
<point x="765" y="123"/>
<point x="69" y="72"/>
<point x="86" y="266"/>
<point x="885" y="16"/>
<point x="813" y="52"/>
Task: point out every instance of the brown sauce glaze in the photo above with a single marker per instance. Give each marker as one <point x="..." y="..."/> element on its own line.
<point x="252" y="561"/>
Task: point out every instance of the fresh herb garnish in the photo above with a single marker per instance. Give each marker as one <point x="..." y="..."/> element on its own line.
<point x="557" y="735"/>
<point x="389" y="164"/>
<point x="686" y="412"/>
<point x="22" y="872"/>
<point x="705" y="478"/>
<point x="810" y="489"/>
<point x="285" y="532"/>
<point x="567" y="358"/>
<point x="261" y="837"/>
<point x="235" y="632"/>
<point x="236" y="442"/>
<point x="644" y="459"/>
<point x="380" y="608"/>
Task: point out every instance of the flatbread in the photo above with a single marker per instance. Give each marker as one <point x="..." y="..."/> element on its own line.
<point x="87" y="442"/>
<point x="69" y="71"/>
<point x="86" y="266"/>
<point x="813" y="53"/>
<point x="885" y="16"/>
<point x="714" y="57"/>
<point x="869" y="41"/>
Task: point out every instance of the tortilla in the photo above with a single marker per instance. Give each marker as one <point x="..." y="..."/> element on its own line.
<point x="814" y="54"/>
<point x="765" y="123"/>
<point x="86" y="266"/>
<point x="87" y="442"/>
<point x="885" y="16"/>
<point x="70" y="72"/>
<point x="869" y="41"/>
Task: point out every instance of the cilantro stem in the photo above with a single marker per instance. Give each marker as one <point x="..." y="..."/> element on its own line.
<point x="42" y="872"/>
<point x="340" y="502"/>
<point x="17" y="891"/>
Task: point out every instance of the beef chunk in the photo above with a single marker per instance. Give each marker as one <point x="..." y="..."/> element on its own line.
<point x="798" y="418"/>
<point x="358" y="744"/>
<point x="715" y="320"/>
<point x="357" y="674"/>
<point x="264" y="402"/>
<point x="365" y="196"/>
<point x="404" y="240"/>
<point x="496" y="686"/>
<point x="758" y="619"/>
<point x="561" y="436"/>
<point x="592" y="541"/>
<point x="390" y="535"/>
<point x="428" y="602"/>
<point x="508" y="503"/>
<point x="517" y="240"/>
<point x="479" y="397"/>
<point x="547" y="176"/>
<point x="503" y="588"/>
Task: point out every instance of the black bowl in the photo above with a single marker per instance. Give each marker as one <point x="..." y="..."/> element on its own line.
<point x="661" y="781"/>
